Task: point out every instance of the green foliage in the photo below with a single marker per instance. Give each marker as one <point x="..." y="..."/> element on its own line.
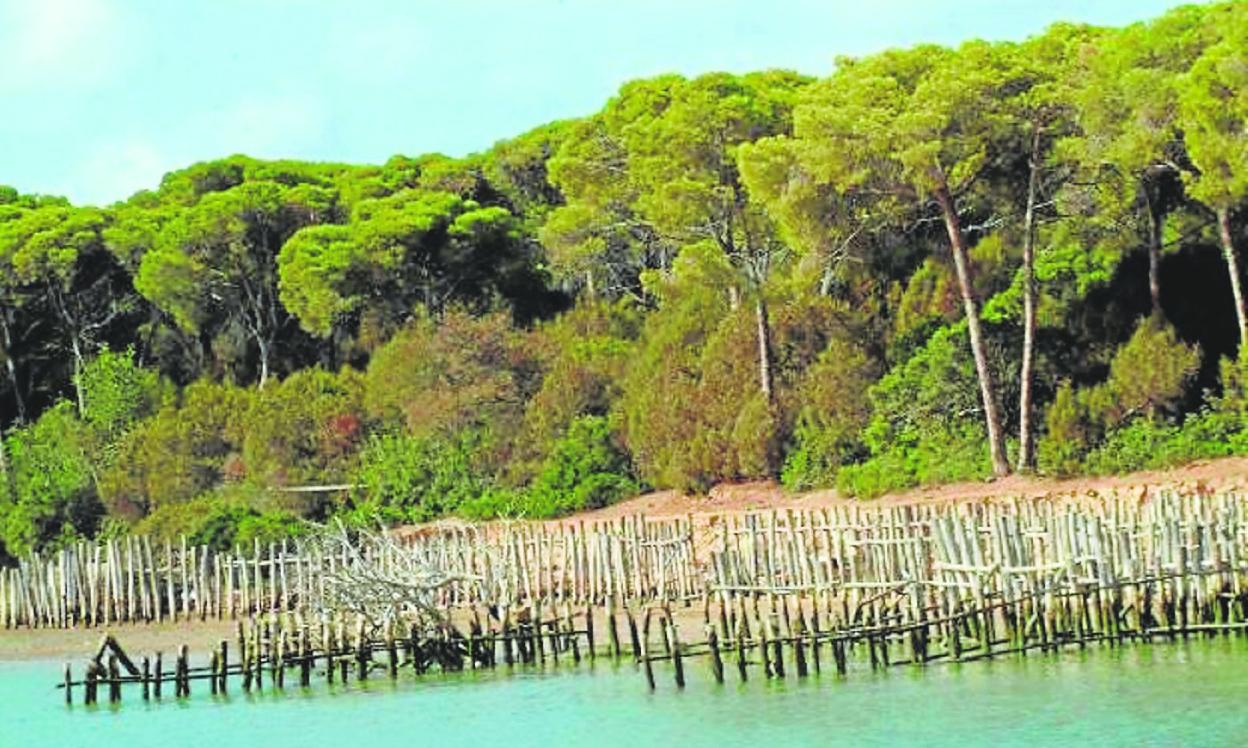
<point x="184" y="450"/>
<point x="401" y="322"/>
<point x="118" y="393"/>
<point x="223" y="520"/>
<point x="304" y="429"/>
<point x="49" y="495"/>
<point x="402" y="478"/>
<point x="923" y="427"/>
<point x="1130" y="412"/>
<point x="584" y="470"/>
<point x="459" y="373"/>
<point x="834" y="411"/>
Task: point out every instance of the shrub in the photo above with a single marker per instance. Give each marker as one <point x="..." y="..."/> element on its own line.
<point x="1061" y="450"/>
<point x="303" y="429"/>
<point x="49" y="497"/>
<point x="925" y="426"/>
<point x="117" y="393"/>
<point x="1122" y="424"/>
<point x="834" y="396"/>
<point x="585" y="470"/>
<point x="177" y="454"/>
<point x="402" y="478"/>
<point x="222" y="520"/>
<point x="691" y="412"/>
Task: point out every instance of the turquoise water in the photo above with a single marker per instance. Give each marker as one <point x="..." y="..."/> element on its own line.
<point x="1193" y="694"/>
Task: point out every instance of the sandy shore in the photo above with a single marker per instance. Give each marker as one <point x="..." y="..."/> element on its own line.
<point x="1226" y="474"/>
<point x="76" y="645"/>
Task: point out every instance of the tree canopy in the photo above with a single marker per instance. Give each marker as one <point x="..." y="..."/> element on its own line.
<point x="870" y="280"/>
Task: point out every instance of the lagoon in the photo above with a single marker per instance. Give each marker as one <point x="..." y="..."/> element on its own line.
<point x="1164" y="694"/>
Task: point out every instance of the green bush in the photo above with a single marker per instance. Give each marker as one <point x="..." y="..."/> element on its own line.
<point x="222" y="520"/>
<point x="184" y="450"/>
<point x="962" y="456"/>
<point x="1062" y="448"/>
<point x="585" y="470"/>
<point x="834" y="396"/>
<point x="924" y="426"/>
<point x="404" y="478"/>
<point x="49" y="497"/>
<point x="1126" y="422"/>
<point x="117" y="393"/>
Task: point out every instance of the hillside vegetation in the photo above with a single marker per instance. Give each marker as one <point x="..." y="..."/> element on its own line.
<point x="932" y="265"/>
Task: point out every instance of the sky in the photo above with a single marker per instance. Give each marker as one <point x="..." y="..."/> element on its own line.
<point x="99" y="98"/>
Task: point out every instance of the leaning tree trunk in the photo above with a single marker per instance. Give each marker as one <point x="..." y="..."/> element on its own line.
<point x="1232" y="268"/>
<point x="263" y="346"/>
<point x="76" y="346"/>
<point x="766" y="383"/>
<point x="987" y="388"/>
<point x="1025" y="448"/>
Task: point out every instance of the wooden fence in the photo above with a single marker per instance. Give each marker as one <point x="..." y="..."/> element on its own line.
<point x="776" y="592"/>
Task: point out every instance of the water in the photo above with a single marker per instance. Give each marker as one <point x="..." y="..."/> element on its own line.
<point x="1169" y="694"/>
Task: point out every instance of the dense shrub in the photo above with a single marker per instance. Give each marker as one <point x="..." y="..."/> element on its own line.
<point x="584" y="470"/>
<point x="452" y="374"/>
<point x="833" y="393"/>
<point x="584" y="355"/>
<point x="179" y="453"/>
<point x="1126" y="422"/>
<point x="925" y="425"/>
<point x="301" y="430"/>
<point x="223" y="519"/>
<point x="404" y="478"/>
<point x="691" y="412"/>
<point x="49" y="495"/>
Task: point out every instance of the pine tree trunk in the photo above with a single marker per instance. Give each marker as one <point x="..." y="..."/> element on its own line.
<point x="264" y="360"/>
<point x="78" y="392"/>
<point x="1154" y="252"/>
<point x="1025" y="448"/>
<point x="1232" y="268"/>
<point x="987" y="388"/>
<point x="11" y="369"/>
<point x="765" y="382"/>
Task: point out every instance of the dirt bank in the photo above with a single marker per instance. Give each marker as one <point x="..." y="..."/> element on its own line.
<point x="1225" y="474"/>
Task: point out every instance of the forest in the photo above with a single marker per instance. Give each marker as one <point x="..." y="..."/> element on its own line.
<point x="932" y="265"/>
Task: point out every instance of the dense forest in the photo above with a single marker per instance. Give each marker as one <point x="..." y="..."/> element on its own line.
<point x="932" y="265"/>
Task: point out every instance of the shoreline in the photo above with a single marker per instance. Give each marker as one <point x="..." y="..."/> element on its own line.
<point x="79" y="644"/>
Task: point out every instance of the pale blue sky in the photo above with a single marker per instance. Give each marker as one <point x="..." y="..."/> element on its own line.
<point x="98" y="98"/>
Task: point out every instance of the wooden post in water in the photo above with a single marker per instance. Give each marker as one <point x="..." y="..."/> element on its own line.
<point x="225" y="664"/>
<point x="89" y="690"/>
<point x="147" y="676"/>
<point x="717" y="664"/>
<point x="114" y="680"/>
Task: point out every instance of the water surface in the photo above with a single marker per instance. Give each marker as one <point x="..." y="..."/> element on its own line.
<point x="1189" y="694"/>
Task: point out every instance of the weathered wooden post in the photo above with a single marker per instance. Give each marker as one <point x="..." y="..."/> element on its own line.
<point x="740" y="645"/>
<point x="114" y="680"/>
<point x="147" y="675"/>
<point x="613" y="633"/>
<point x="225" y="664"/>
<point x="717" y="664"/>
<point x="677" y="662"/>
<point x="589" y="629"/>
<point x="89" y="689"/>
<point x="69" y="686"/>
<point x="632" y="633"/>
